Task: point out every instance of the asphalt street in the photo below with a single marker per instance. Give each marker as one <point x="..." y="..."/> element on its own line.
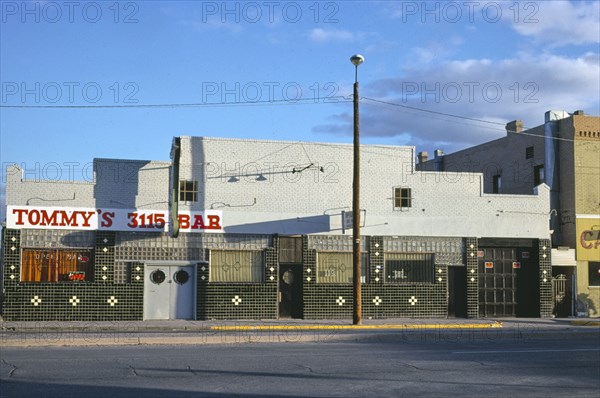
<point x="391" y="363"/>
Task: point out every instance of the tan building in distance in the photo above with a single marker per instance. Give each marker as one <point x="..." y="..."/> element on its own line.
<point x="564" y="153"/>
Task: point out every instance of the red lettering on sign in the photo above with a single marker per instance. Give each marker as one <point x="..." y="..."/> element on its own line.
<point x="107" y="219"/>
<point x="120" y="219"/>
<point x="86" y="220"/>
<point x="67" y="220"/>
<point x="33" y="217"/>
<point x="49" y="220"/>
<point x="198" y="222"/>
<point x="587" y="236"/>
<point x="19" y="213"/>
<point x="184" y="221"/>
<point x="214" y="222"/>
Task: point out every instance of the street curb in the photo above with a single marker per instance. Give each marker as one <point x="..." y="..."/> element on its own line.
<point x="358" y="327"/>
<point x="585" y="323"/>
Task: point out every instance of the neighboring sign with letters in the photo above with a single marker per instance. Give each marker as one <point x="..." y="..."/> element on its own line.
<point x="588" y="239"/>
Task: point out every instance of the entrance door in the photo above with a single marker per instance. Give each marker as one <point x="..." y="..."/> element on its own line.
<point x="562" y="291"/>
<point x="457" y="292"/>
<point x="528" y="286"/>
<point x="497" y="282"/>
<point x="290" y="290"/>
<point x="508" y="283"/>
<point x="169" y="291"/>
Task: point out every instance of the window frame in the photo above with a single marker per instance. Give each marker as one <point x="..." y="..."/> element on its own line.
<point x="529" y="152"/>
<point x="54" y="271"/>
<point x="364" y="267"/>
<point x="403" y="198"/>
<point x="187" y="193"/>
<point x="428" y="275"/>
<point x="254" y="275"/>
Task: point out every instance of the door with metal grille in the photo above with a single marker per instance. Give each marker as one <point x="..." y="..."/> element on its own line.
<point x="562" y="291"/>
<point x="498" y="282"/>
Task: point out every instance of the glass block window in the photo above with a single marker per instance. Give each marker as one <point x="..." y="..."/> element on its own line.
<point x="337" y="267"/>
<point x="236" y="266"/>
<point x="188" y="191"/>
<point x="409" y="267"/>
<point x="57" y="265"/>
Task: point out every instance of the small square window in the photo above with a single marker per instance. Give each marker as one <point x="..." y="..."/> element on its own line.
<point x="188" y="191"/>
<point x="402" y="198"/>
<point x="529" y="152"/>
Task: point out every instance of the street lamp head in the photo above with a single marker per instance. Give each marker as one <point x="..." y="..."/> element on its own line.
<point x="357" y="59"/>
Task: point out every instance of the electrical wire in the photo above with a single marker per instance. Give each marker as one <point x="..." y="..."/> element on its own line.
<point x="297" y="101"/>
<point x="430" y="111"/>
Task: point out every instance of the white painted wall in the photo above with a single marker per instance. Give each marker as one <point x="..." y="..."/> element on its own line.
<point x="307" y="201"/>
<point x="311" y="201"/>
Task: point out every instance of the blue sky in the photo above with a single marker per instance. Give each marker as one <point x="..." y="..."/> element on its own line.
<point x="281" y="70"/>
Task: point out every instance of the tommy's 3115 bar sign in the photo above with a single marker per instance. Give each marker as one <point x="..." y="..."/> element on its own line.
<point x="82" y="218"/>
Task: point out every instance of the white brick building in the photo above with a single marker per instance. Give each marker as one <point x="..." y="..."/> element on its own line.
<point x="272" y="186"/>
<point x="269" y="239"/>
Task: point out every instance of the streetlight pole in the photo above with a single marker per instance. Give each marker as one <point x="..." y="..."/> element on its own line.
<point x="356" y="288"/>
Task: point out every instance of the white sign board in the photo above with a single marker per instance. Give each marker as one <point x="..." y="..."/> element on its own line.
<point x="348" y="219"/>
<point x="83" y="218"/>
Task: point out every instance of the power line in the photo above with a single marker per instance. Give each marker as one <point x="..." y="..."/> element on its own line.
<point x="543" y="136"/>
<point x="333" y="99"/>
<point x="379" y="105"/>
<point x="434" y="112"/>
<point x="289" y="101"/>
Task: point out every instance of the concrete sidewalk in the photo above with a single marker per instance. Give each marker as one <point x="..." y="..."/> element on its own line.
<point x="38" y="334"/>
<point x="271" y="324"/>
<point x="225" y="325"/>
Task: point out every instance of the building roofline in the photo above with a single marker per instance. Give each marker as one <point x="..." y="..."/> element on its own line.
<point x="317" y="143"/>
<point x="131" y="161"/>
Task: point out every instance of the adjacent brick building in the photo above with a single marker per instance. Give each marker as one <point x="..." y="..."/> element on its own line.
<point x="564" y="153"/>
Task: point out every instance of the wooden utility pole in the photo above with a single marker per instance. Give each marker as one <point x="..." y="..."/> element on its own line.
<point x="356" y="287"/>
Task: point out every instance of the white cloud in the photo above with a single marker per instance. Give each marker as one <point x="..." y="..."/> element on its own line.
<point x="524" y="87"/>
<point x="557" y="23"/>
<point x="327" y="35"/>
<point x="432" y="52"/>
